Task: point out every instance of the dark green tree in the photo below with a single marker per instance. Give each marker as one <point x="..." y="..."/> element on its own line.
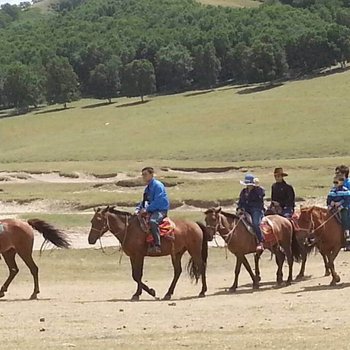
<point x="174" y="65"/>
<point x="105" y="79"/>
<point x="62" y="82"/>
<point x="139" y="79"/>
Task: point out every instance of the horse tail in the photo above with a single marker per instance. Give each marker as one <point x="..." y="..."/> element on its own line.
<point x="194" y="271"/>
<point x="296" y="249"/>
<point x="50" y="233"/>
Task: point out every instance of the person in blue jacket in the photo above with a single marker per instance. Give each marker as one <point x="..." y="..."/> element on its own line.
<point x="339" y="199"/>
<point x="343" y="171"/>
<point x="251" y="200"/>
<point x="156" y="203"/>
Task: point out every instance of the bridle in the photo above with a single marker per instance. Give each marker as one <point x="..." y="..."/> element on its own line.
<point x="311" y="230"/>
<point x="219" y="226"/>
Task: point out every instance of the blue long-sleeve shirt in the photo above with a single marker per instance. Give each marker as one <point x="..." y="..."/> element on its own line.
<point x="251" y="200"/>
<point x="347" y="183"/>
<point x="339" y="195"/>
<point x="155" y="197"/>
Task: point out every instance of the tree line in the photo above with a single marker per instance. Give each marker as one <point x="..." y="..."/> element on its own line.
<point x="107" y="48"/>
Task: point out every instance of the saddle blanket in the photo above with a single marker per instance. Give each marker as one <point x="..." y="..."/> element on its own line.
<point x="267" y="229"/>
<point x="167" y="228"/>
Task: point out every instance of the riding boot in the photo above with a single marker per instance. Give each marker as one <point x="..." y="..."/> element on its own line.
<point x="156" y="236"/>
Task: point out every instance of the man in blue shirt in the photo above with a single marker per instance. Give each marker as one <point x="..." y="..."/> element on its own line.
<point x="251" y="200"/>
<point x="156" y="203"/>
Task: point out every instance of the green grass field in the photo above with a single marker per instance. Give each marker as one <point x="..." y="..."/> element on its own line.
<point x="301" y="126"/>
<point x="297" y="120"/>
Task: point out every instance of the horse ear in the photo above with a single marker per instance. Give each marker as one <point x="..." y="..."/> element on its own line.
<point x="218" y="210"/>
<point x="95" y="210"/>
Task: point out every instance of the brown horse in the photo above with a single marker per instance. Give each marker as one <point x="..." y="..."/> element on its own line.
<point x="189" y="236"/>
<point x="241" y="242"/>
<point x="17" y="237"/>
<point x="328" y="233"/>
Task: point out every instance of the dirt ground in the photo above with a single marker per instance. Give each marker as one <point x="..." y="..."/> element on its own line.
<point x="84" y="304"/>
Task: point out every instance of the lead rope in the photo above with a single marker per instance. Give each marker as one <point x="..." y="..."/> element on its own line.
<point x="122" y="244"/>
<point x="229" y="236"/>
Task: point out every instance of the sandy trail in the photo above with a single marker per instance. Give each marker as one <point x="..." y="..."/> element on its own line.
<point x="86" y="314"/>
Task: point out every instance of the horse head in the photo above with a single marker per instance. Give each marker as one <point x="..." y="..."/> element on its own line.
<point x="212" y="220"/>
<point x="99" y="225"/>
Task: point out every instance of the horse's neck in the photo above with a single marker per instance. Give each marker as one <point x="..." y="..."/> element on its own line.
<point x="117" y="224"/>
<point x="225" y="225"/>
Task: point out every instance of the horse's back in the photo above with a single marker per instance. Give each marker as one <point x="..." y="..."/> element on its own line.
<point x="15" y="232"/>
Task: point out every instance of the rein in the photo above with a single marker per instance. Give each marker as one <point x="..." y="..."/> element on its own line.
<point x="312" y="228"/>
<point x="122" y="243"/>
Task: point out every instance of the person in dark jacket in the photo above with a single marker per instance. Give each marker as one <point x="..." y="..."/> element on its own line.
<point x="283" y="194"/>
<point x="155" y="203"/>
<point x="251" y="200"/>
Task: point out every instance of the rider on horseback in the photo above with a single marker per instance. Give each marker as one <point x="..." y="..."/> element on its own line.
<point x="282" y="194"/>
<point x="339" y="199"/>
<point x="343" y="171"/>
<point x="155" y="203"/>
<point x="251" y="200"/>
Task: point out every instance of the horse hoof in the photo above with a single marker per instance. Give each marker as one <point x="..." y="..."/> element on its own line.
<point x="327" y="273"/>
<point x="299" y="278"/>
<point x="232" y="290"/>
<point x="255" y="286"/>
<point x="33" y="297"/>
<point x="135" y="298"/>
<point x="201" y="295"/>
<point x="259" y="279"/>
<point x="337" y="279"/>
<point x="152" y="292"/>
<point x="2" y="294"/>
<point x="167" y="297"/>
<point x="288" y="283"/>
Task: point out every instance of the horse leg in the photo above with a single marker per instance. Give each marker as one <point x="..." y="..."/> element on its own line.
<point x="326" y="267"/>
<point x="28" y="259"/>
<point x="137" y="272"/>
<point x="331" y="258"/>
<point x="279" y="261"/>
<point x="257" y="269"/>
<point x="288" y="254"/>
<point x="301" y="273"/>
<point x="176" y="260"/>
<point x="239" y="261"/>
<point x="9" y="258"/>
<point x="251" y="273"/>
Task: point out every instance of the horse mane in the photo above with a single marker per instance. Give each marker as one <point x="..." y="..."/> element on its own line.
<point x="224" y="213"/>
<point x="229" y="215"/>
<point x="112" y="210"/>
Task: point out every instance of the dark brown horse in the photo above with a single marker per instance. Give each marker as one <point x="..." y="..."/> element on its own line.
<point x="189" y="236"/>
<point x="241" y="242"/>
<point x="328" y="233"/>
<point x="17" y="237"/>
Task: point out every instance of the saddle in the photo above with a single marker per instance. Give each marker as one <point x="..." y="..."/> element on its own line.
<point x="266" y="227"/>
<point x="247" y="222"/>
<point x="166" y="228"/>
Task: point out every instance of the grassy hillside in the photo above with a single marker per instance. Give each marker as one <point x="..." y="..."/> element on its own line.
<point x="301" y="126"/>
<point x="303" y="119"/>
